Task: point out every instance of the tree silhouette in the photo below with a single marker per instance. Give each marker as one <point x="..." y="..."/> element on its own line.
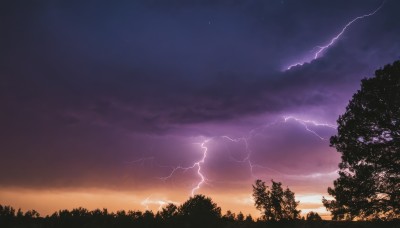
<point x="240" y="217"/>
<point x="275" y="203"/>
<point x="368" y="138"/>
<point x="313" y="216"/>
<point x="290" y="204"/>
<point x="249" y="218"/>
<point x="168" y="215"/>
<point x="7" y="214"/>
<point x="229" y="216"/>
<point x="199" y="210"/>
<point x="169" y="212"/>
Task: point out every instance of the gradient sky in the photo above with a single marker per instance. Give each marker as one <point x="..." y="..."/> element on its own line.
<point x="100" y="101"/>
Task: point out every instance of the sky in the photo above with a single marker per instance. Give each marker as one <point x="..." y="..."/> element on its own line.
<point x="135" y="104"/>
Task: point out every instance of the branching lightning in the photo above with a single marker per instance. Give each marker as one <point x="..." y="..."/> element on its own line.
<point x="305" y="123"/>
<point x="309" y="126"/>
<point x="320" y="49"/>
<point x="247" y="150"/>
<point x="203" y="179"/>
<point x="197" y="165"/>
<point x="247" y="159"/>
<point x="333" y="40"/>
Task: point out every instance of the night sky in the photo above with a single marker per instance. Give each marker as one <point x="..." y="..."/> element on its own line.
<point x="105" y="104"/>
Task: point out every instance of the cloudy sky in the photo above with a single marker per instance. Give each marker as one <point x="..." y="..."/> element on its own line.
<point x="132" y="104"/>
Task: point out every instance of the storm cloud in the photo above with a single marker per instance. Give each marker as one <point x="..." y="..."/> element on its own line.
<point x="115" y="95"/>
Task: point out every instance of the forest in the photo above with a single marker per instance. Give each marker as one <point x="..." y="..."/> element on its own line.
<point x="198" y="211"/>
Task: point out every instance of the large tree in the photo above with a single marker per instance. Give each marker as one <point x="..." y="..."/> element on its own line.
<point x="368" y="138"/>
<point x="199" y="211"/>
<point x="275" y="203"/>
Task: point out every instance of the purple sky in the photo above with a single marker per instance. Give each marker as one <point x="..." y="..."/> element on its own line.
<point x="114" y="96"/>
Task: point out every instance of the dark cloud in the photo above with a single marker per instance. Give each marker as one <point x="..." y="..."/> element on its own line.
<point x="86" y="86"/>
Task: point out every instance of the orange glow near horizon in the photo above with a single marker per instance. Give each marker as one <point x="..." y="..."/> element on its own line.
<point x="47" y="202"/>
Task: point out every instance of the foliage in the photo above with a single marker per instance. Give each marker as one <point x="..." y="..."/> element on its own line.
<point x="199" y="209"/>
<point x="229" y="216"/>
<point x="240" y="217"/>
<point x="368" y="138"/>
<point x="83" y="218"/>
<point x="313" y="216"/>
<point x="275" y="203"/>
<point x="169" y="212"/>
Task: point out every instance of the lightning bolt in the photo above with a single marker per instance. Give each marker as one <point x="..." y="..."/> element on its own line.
<point x="253" y="132"/>
<point x="335" y="38"/>
<point x="306" y="123"/>
<point x="203" y="179"/>
<point x="247" y="159"/>
<point x="247" y="150"/>
<point x="197" y="165"/>
<point x="160" y="202"/>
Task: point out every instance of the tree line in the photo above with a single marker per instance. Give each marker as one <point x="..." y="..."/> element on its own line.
<point x="197" y="211"/>
<point x="275" y="203"/>
<point x="277" y="206"/>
